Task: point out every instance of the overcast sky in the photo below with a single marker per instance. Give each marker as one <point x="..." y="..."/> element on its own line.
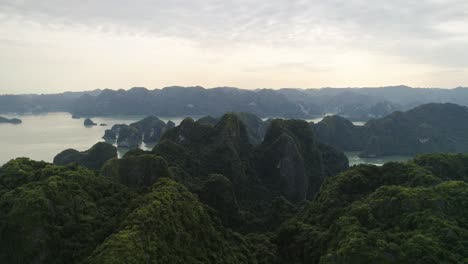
<point x="58" y="45"/>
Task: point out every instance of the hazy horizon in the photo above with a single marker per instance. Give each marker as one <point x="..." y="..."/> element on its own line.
<point x="259" y="88"/>
<point x="55" y="46"/>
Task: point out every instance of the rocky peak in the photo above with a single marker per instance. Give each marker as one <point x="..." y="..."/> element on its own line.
<point x="231" y="128"/>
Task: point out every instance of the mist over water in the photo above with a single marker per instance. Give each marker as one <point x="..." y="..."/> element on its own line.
<point x="41" y="137"/>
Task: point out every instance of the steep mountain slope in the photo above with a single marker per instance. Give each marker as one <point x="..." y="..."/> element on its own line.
<point x="148" y="130"/>
<point x="92" y="158"/>
<point x="288" y="158"/>
<point x="424" y="129"/>
<point x="341" y="133"/>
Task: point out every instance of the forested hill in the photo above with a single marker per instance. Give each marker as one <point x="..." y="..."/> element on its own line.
<point x="425" y="129"/>
<point x="189" y="200"/>
<point x="353" y="103"/>
<point x="204" y="194"/>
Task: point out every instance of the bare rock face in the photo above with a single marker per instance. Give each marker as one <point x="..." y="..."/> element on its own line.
<point x="283" y="168"/>
<point x="129" y="137"/>
<point x="110" y="135"/>
<point x="254" y="125"/>
<point x="292" y="162"/>
<point x="151" y="128"/>
<point x="291" y="169"/>
<point x="147" y="130"/>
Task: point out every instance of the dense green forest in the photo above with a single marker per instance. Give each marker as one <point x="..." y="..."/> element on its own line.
<point x="211" y="192"/>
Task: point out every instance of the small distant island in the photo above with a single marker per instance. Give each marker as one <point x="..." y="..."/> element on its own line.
<point x="88" y="122"/>
<point x="14" y="121"/>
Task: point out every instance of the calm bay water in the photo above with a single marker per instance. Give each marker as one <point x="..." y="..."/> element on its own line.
<point x="41" y="137"/>
<point x="318" y="119"/>
<point x="354" y="159"/>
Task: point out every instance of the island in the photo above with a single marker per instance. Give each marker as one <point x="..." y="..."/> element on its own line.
<point x="88" y="122"/>
<point x="14" y="121"/>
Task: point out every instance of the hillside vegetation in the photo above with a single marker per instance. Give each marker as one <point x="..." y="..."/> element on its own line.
<point x="206" y="194"/>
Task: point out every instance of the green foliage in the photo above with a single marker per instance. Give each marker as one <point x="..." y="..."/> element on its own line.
<point x="20" y="171"/>
<point x="445" y="166"/>
<point x="136" y="152"/>
<point x="194" y="150"/>
<point x="54" y="214"/>
<point x="205" y="194"/>
<point x="172" y="226"/>
<point x="137" y="170"/>
<point x="217" y="192"/>
<point x="263" y="247"/>
<point x="92" y="158"/>
<point x="339" y="132"/>
<point x="414" y="212"/>
<point x="425" y="129"/>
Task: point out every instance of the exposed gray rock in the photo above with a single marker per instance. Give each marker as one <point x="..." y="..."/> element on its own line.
<point x="110" y="135"/>
<point x="129" y="137"/>
<point x="148" y="130"/>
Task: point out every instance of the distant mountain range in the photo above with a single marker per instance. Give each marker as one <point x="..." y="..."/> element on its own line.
<point x="356" y="104"/>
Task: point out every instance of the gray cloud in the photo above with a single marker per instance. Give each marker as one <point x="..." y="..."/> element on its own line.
<point x="380" y="25"/>
<point x="432" y="32"/>
<point x="249" y="18"/>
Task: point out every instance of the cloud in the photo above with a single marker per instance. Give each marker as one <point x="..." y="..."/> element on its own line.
<point x="302" y="35"/>
<point x="247" y="19"/>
